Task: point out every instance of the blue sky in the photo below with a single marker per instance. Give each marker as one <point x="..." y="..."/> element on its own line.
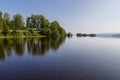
<point x="86" y="16"/>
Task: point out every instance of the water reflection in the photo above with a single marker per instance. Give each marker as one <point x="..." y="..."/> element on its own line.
<point x="34" y="46"/>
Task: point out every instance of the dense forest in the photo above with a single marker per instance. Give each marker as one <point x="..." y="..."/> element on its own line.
<point x="34" y="25"/>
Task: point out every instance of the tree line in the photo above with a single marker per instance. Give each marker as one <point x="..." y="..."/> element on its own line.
<point x="34" y="24"/>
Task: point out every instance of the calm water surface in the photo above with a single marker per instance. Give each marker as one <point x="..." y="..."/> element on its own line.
<point x="60" y="59"/>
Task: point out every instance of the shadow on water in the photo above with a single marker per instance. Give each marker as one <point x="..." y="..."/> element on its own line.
<point x="34" y="46"/>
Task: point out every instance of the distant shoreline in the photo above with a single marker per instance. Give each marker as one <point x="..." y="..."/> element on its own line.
<point x="85" y="35"/>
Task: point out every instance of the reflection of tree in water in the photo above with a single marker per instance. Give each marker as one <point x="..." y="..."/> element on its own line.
<point x="35" y="46"/>
<point x="5" y="46"/>
<point x="2" y="52"/>
<point x="19" y="46"/>
<point x="56" y="42"/>
<point x="8" y="45"/>
<point x="43" y="45"/>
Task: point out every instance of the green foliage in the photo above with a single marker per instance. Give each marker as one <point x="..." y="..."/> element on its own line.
<point x="25" y="33"/>
<point x="19" y="33"/>
<point x="5" y="30"/>
<point x="36" y="22"/>
<point x="6" y="16"/>
<point x="1" y="24"/>
<point x="56" y="29"/>
<point x="46" y="32"/>
<point x="36" y="25"/>
<point x="44" y="22"/>
<point x="31" y="31"/>
<point x="62" y="31"/>
<point x="14" y="32"/>
<point x="53" y="30"/>
<point x="0" y="15"/>
<point x="6" y="20"/>
<point x="1" y="21"/>
<point x="18" y="22"/>
<point x="33" y="22"/>
<point x="36" y="34"/>
<point x="48" y="29"/>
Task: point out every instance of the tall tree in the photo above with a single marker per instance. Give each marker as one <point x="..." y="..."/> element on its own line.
<point x="6" y="16"/>
<point x="1" y="21"/>
<point x="33" y="22"/>
<point x="18" y="22"/>
<point x="28" y="23"/>
<point x="6" y="19"/>
<point x="62" y="31"/>
<point x="37" y="21"/>
<point x="56" y="29"/>
<point x="0" y="14"/>
<point x="54" y="26"/>
<point x="44" y="22"/>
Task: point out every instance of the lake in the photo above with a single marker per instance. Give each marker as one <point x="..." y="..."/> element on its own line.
<point x="76" y="58"/>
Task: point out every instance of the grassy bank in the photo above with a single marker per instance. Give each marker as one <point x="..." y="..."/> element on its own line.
<point x="20" y="33"/>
